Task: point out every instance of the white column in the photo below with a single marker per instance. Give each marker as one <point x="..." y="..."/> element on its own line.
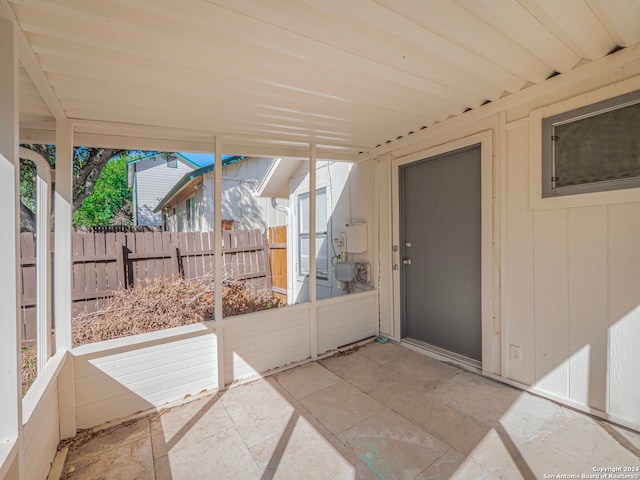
<point x="43" y="263"/>
<point x="313" y="331"/>
<point x="10" y="391"/>
<point x="62" y="238"/>
<point x="62" y="273"/>
<point x="217" y="255"/>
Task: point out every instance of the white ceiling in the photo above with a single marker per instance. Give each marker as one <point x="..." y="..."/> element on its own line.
<point x="345" y="74"/>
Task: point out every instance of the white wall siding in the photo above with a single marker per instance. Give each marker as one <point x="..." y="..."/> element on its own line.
<point x="346" y="320"/>
<point x="623" y="356"/>
<point x="569" y="282"/>
<point x="518" y="291"/>
<point x="259" y="342"/>
<point x="239" y="202"/>
<point x="128" y="376"/>
<point x="41" y="429"/>
<point x="350" y="198"/>
<point x="41" y="435"/>
<point x="153" y="181"/>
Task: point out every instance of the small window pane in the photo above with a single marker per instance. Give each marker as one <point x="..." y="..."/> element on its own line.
<point x="593" y="148"/>
<point x="599" y="148"/>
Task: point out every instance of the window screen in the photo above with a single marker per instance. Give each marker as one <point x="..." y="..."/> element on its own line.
<point x="594" y="148"/>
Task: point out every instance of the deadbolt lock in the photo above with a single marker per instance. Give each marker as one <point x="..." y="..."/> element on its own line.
<point x="406" y="261"/>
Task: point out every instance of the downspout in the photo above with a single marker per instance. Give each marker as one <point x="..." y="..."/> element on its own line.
<point x="280" y="208"/>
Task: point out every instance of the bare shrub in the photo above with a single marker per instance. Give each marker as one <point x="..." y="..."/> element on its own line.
<point x="158" y="303"/>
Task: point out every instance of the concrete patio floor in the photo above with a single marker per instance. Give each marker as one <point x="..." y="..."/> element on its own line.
<point x="382" y="411"/>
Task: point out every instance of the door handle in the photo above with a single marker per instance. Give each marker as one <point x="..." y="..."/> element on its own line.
<point x="406" y="261"/>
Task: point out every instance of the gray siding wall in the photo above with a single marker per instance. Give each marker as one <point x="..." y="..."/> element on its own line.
<point x="153" y="181"/>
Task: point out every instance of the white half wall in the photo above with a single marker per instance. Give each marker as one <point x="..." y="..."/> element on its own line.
<point x="346" y="319"/>
<point x="119" y="378"/>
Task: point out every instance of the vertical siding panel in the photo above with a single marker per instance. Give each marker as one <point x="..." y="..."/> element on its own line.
<point x="624" y="315"/>
<point x="228" y="258"/>
<point x="551" y="302"/>
<point x="78" y="271"/>
<point x="101" y="269"/>
<point x="29" y="325"/>
<point x="207" y="243"/>
<point x="149" y="248"/>
<point x="134" y="266"/>
<point x="588" y="316"/>
<point x="159" y="250"/>
<point x="199" y="259"/>
<point x="191" y="261"/>
<point x="182" y="245"/>
<point x="122" y="239"/>
<point x="165" y="245"/>
<point x="519" y="289"/>
<point x="90" y="282"/>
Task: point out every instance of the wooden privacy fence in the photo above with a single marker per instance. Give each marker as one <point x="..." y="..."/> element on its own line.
<point x="106" y="262"/>
<point x="278" y="261"/>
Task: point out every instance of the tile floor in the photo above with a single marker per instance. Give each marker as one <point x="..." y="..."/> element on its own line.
<point x="382" y="411"/>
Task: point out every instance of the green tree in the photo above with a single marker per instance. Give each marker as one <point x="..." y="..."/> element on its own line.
<point x="87" y="165"/>
<point x="110" y="200"/>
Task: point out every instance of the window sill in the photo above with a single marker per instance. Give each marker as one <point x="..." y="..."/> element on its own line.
<point x="592" y="199"/>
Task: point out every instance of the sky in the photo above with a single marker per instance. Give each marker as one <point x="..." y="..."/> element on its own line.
<point x="202" y="159"/>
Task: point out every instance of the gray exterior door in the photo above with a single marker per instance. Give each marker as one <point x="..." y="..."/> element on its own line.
<point x="440" y="233"/>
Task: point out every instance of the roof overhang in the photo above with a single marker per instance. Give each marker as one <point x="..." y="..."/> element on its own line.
<point x="275" y="183"/>
<point x="348" y="77"/>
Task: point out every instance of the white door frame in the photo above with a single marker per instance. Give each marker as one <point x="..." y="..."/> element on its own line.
<point x="490" y="322"/>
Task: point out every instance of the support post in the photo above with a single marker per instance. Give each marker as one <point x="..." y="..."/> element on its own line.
<point x="11" y="396"/>
<point x="218" y="258"/>
<point x="313" y="331"/>
<point x="63" y="206"/>
<point x="43" y="263"/>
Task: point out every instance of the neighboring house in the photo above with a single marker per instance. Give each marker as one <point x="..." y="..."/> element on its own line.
<point x="339" y="193"/>
<point x="188" y="206"/>
<point x="151" y="177"/>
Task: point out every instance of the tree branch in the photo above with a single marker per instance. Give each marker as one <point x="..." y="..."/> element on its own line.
<point x="87" y="176"/>
<point x="28" y="218"/>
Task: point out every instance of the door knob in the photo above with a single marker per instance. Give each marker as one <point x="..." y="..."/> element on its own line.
<point x="406" y="261"/>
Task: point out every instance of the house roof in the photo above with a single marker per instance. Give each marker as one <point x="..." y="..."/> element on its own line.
<point x="201" y="159"/>
<point x="179" y="156"/>
<point x="193" y="175"/>
<point x="275" y="182"/>
<point x="347" y="76"/>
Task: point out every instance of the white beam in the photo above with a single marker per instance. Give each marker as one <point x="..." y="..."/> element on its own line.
<point x="218" y="259"/>
<point x="11" y="396"/>
<point x="38" y="77"/>
<point x="184" y="142"/>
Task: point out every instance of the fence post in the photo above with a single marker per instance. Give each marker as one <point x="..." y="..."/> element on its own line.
<point x="175" y="262"/>
<point x="121" y="263"/>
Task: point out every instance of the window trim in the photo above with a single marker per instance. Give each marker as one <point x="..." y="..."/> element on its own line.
<point x="548" y="189"/>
